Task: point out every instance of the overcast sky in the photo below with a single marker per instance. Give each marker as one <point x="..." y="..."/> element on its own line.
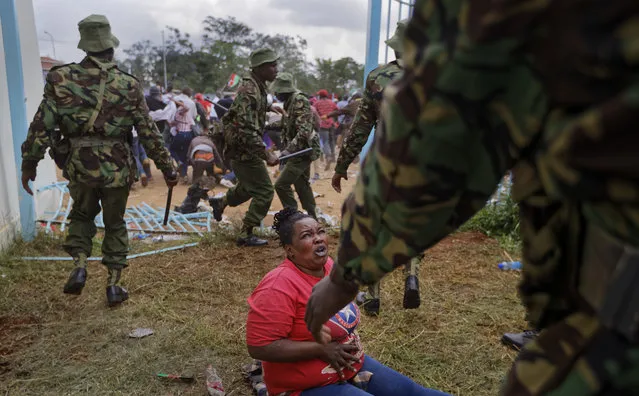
<point x="333" y="28"/>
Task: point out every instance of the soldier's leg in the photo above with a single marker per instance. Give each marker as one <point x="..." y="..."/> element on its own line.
<point x="235" y="196"/>
<point x="411" y="286"/>
<point x="257" y="184"/>
<point x="284" y="182"/>
<point x="81" y="232"/>
<point x="116" y="241"/>
<point x="304" y="190"/>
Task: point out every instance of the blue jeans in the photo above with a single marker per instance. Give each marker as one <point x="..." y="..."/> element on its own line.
<point x="385" y="382"/>
<point x="180" y="150"/>
<point x="139" y="154"/>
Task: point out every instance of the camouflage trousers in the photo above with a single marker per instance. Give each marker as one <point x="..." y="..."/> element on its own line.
<point x="296" y="172"/>
<point x="576" y="356"/>
<point x="82" y="229"/>
<point x="254" y="183"/>
<point x="411" y="268"/>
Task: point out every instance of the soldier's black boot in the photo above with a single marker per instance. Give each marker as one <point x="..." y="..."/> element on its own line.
<point x="193" y="196"/>
<point x="369" y="305"/>
<point x="411" y="292"/>
<point x="518" y="340"/>
<point x="78" y="277"/>
<point x="76" y="281"/>
<point x="218" y="205"/>
<point x="116" y="295"/>
<point x="251" y="240"/>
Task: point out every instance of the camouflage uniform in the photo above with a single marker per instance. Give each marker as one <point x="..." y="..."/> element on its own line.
<point x="468" y="108"/>
<point x="243" y="126"/>
<point x="297" y="134"/>
<point x="366" y="118"/>
<point x="95" y="105"/>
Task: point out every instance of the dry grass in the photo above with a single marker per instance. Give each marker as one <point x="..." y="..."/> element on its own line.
<point x="195" y="301"/>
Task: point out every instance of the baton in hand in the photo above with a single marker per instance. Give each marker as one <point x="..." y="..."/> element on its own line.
<point x="295" y="154"/>
<point x="168" y="207"/>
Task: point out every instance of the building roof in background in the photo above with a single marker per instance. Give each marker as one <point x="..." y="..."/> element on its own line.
<point x="48" y="63"/>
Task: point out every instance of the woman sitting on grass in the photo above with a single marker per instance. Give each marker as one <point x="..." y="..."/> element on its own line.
<point x="293" y="363"/>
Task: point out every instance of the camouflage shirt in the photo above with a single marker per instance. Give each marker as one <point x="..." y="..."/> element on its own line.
<point x="245" y="120"/>
<point x="99" y="156"/>
<point x="297" y="125"/>
<point x="367" y="114"/>
<point x="469" y="107"/>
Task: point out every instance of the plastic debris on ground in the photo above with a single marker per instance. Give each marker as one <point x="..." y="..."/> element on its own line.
<point x="317" y="195"/>
<point x="214" y="382"/>
<point x="329" y="220"/>
<point x="140" y="333"/>
<point x="142" y="217"/>
<point x="175" y="377"/>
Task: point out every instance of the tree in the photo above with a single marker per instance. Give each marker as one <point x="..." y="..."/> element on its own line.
<point x="225" y="47"/>
<point x="340" y="76"/>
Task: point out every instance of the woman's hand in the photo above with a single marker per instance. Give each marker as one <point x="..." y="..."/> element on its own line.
<point x="339" y="356"/>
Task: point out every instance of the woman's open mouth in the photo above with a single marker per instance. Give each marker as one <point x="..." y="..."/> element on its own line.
<point x="321" y="251"/>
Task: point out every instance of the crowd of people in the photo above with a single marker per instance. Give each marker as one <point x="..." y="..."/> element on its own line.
<point x="478" y="88"/>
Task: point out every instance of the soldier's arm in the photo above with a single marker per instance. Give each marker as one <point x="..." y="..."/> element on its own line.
<point x="363" y="123"/>
<point x="150" y="137"/>
<point x="303" y="121"/>
<point x="44" y="123"/>
<point x="246" y="107"/>
<point x="445" y="143"/>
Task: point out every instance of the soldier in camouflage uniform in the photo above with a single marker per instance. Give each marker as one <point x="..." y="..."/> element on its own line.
<point x="366" y="118"/>
<point x="467" y="110"/>
<point x="297" y="134"/>
<point x="243" y="126"/>
<point x="95" y="105"/>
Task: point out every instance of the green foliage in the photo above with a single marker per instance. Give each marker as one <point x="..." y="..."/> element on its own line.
<point x="223" y="49"/>
<point x="498" y="220"/>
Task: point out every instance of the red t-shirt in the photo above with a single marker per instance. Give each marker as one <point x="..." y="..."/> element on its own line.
<point x="325" y="107"/>
<point x="277" y="308"/>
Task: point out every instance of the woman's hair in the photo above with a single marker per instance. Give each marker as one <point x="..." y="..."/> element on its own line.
<point x="284" y="222"/>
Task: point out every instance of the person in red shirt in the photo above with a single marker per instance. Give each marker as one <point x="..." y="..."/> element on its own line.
<point x="293" y="363"/>
<point x="324" y="107"/>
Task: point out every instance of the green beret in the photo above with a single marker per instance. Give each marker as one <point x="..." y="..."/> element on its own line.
<point x="95" y="34"/>
<point x="262" y="56"/>
<point x="397" y="41"/>
<point x="284" y="83"/>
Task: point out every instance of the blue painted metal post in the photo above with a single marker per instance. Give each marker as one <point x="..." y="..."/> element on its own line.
<point x="372" y="52"/>
<point x="17" y="105"/>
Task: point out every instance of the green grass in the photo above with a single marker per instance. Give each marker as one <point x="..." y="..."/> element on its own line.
<point x="195" y="301"/>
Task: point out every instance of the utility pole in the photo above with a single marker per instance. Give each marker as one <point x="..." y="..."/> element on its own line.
<point x="164" y="60"/>
<point x="52" y="44"/>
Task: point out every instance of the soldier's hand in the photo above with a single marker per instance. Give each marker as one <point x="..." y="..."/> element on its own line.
<point x="26" y="176"/>
<point x="171" y="178"/>
<point x="284" y="153"/>
<point x="271" y="159"/>
<point x="337" y="181"/>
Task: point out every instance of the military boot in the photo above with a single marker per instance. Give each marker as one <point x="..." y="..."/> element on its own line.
<point x="251" y="240"/>
<point x="518" y="340"/>
<point x="411" y="292"/>
<point x="116" y="295"/>
<point x="218" y="205"/>
<point x="78" y="276"/>
<point x="194" y="194"/>
<point x="369" y="305"/>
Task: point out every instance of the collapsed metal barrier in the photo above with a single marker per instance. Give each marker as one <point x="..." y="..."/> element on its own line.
<point x="142" y="217"/>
